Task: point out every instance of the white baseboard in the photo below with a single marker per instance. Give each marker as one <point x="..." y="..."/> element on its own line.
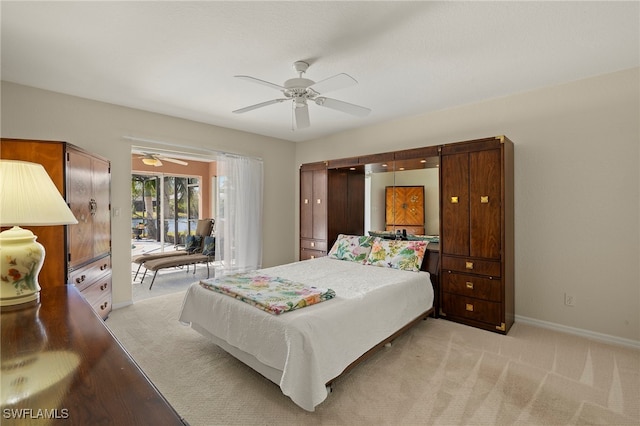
<point x="607" y="338"/>
<point x="121" y="305"/>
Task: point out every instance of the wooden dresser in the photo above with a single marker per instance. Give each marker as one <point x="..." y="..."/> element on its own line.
<point x="477" y="239"/>
<point x="61" y="365"/>
<point x="79" y="254"/>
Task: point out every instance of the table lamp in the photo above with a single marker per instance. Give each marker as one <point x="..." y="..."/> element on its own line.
<point x="28" y="197"/>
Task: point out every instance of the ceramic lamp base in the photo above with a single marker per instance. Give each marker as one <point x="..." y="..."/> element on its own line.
<point x="21" y="259"/>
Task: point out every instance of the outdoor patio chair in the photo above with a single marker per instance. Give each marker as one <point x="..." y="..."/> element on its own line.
<point x="194" y="246"/>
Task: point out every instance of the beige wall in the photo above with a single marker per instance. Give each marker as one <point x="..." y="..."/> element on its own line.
<point x="577" y="194"/>
<point x="577" y="182"/>
<point x="100" y="127"/>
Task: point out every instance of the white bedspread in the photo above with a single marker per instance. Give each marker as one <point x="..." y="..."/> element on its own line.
<point x="315" y="344"/>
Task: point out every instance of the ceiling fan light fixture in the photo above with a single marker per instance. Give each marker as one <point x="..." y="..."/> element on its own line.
<point x="156" y="160"/>
<point x="151" y="161"/>
<point x="300" y="90"/>
<point x="298" y="83"/>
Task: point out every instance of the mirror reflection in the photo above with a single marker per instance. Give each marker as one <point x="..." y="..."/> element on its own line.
<point x="33" y="376"/>
<point x="402" y="197"/>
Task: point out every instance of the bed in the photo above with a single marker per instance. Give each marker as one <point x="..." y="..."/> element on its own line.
<point x="304" y="350"/>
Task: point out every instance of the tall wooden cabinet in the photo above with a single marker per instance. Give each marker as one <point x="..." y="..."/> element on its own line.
<point x="476" y="240"/>
<point x="345" y="198"/>
<point x="331" y="203"/>
<point x="476" y="270"/>
<point x="77" y="254"/>
<point x="313" y="210"/>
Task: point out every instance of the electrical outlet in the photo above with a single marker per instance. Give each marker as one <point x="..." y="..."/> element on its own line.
<point x="569" y="299"/>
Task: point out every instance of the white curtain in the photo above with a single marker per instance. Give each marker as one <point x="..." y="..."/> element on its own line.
<point x="238" y="214"/>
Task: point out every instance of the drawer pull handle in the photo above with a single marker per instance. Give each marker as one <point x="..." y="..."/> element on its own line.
<point x="468" y="265"/>
<point x="313" y="244"/>
<point x="318" y="201"/>
<point x="103" y="267"/>
<point x="454" y="200"/>
<point x="306" y="201"/>
<point x="80" y="279"/>
<point x="104" y="286"/>
<point x="312" y="257"/>
<point x="469" y="285"/>
<point x="469" y="307"/>
<point x="104" y="306"/>
<point x="484" y="199"/>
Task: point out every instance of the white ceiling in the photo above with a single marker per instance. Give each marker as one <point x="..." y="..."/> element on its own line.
<point x="180" y="58"/>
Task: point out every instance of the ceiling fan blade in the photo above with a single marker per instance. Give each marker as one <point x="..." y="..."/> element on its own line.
<point x="336" y="82"/>
<point x="173" y="160"/>
<point x="342" y="106"/>
<point x="260" y="105"/>
<point x="302" y="117"/>
<point x="258" y="81"/>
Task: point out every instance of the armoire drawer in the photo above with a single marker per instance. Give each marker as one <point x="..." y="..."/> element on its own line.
<point x="98" y="289"/>
<point x="472" y="286"/>
<point x="88" y="274"/>
<point x="318" y="245"/>
<point x="102" y="306"/>
<point x="471" y="265"/>
<point x="471" y="308"/>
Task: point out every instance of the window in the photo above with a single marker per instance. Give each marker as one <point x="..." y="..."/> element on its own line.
<point x="169" y="215"/>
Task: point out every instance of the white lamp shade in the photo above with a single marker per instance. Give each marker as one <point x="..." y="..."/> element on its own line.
<point x="28" y="196"/>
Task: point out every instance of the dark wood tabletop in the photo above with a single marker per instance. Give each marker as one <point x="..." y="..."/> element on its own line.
<point x="60" y="362"/>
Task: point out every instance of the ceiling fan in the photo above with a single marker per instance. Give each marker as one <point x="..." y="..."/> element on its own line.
<point x="155" y="160"/>
<point x="301" y="90"/>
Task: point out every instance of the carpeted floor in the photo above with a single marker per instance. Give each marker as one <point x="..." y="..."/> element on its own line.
<point x="168" y="281"/>
<point x="438" y="373"/>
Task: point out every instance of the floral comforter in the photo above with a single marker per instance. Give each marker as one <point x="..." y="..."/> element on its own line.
<point x="274" y="295"/>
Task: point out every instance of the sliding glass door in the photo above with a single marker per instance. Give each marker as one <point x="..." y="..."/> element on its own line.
<point x="164" y="208"/>
<point x="181" y="208"/>
<point x="145" y="204"/>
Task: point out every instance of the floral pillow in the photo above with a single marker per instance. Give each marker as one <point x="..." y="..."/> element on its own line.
<point x="397" y="254"/>
<point x="354" y="248"/>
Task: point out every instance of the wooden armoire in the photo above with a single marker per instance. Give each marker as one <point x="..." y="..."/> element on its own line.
<point x="477" y="233"/>
<point x="77" y="254"/>
<point x="404" y="209"/>
<point x="331" y="202"/>
<point x="476" y="271"/>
